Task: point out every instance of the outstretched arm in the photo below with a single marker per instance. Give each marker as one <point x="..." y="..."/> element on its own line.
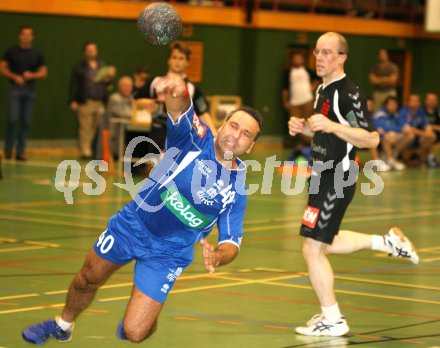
<point x="358" y="137"/>
<point x="177" y="100"/>
<point x="222" y="255"/>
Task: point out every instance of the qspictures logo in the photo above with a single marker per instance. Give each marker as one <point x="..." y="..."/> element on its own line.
<point x="183" y="209"/>
<point x="68" y="174"/>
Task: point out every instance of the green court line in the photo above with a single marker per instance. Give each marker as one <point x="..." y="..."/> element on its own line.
<point x="106" y="217"/>
<point x="363" y="218"/>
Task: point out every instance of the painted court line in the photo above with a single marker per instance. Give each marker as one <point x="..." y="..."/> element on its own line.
<point x="58" y="203"/>
<point x="186" y="318"/>
<point x="237" y="282"/>
<point x="53" y="213"/>
<point x="277" y="327"/>
<point x="28" y="309"/>
<point x="230" y="322"/>
<point x="8" y="250"/>
<point x="363" y="218"/>
<point x="47" y="221"/>
<point x="99" y="218"/>
<point x="382" y="282"/>
<point x="358" y="293"/>
<point x="18" y="296"/>
<point x="32" y="245"/>
<point x="111" y="286"/>
<point x="8" y="240"/>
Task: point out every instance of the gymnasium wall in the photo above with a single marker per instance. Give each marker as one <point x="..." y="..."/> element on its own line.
<point x="237" y="61"/>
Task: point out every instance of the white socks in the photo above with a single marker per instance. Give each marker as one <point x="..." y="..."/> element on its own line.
<point x="378" y="243"/>
<point x="332" y="313"/>
<point x="64" y="325"/>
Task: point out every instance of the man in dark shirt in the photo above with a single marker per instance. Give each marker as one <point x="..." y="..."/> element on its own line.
<point x="178" y="61"/>
<point x="21" y="64"/>
<point x="384" y="77"/>
<point x="148" y="98"/>
<point x="141" y="82"/>
<point x="88" y="93"/>
<point x="340" y="124"/>
<point x="433" y="114"/>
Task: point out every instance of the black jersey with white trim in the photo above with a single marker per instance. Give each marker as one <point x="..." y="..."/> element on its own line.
<point x="343" y="102"/>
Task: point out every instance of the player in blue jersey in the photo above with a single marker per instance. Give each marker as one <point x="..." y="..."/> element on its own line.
<point x="419" y="129"/>
<point x="199" y="183"/>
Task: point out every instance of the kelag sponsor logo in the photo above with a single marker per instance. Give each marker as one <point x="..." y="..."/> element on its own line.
<point x="183" y="209"/>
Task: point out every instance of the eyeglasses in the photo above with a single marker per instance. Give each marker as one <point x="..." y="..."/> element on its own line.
<point x="325" y="52"/>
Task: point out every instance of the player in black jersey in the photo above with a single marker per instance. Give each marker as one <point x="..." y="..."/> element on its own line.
<point x="340" y="125"/>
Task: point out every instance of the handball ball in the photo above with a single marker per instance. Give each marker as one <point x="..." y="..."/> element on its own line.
<point x="159" y="23"/>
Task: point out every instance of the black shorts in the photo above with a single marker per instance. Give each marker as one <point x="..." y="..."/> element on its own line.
<point x="325" y="210"/>
<point x="437" y="136"/>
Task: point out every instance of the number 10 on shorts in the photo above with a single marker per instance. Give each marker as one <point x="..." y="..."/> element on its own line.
<point x="105" y="243"/>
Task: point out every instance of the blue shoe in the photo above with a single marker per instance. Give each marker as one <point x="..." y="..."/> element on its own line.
<point x="120" y="331"/>
<point x="41" y="332"/>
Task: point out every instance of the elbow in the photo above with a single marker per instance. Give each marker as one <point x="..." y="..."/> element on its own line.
<point x="43" y="72"/>
<point x="370" y="141"/>
<point x="374" y="140"/>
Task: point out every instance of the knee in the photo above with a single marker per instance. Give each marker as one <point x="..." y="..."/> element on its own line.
<point x="431" y="137"/>
<point x="313" y="251"/>
<point x="85" y="282"/>
<point x="138" y="334"/>
<point x="309" y="251"/>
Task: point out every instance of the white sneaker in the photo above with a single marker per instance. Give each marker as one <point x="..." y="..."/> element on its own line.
<point x="394" y="164"/>
<point x="382" y="166"/>
<point x="319" y="326"/>
<point x="401" y="246"/>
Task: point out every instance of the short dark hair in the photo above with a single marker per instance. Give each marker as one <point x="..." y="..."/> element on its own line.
<point x="140" y="68"/>
<point x="251" y="112"/>
<point x="391" y="98"/>
<point x="24" y="27"/>
<point x="89" y="43"/>
<point x="181" y="48"/>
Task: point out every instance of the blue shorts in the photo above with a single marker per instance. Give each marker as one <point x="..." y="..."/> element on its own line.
<point x="158" y="263"/>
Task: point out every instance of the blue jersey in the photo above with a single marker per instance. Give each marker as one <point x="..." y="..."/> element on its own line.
<point x="189" y="191"/>
<point x="417" y="120"/>
<point x="388" y="122"/>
